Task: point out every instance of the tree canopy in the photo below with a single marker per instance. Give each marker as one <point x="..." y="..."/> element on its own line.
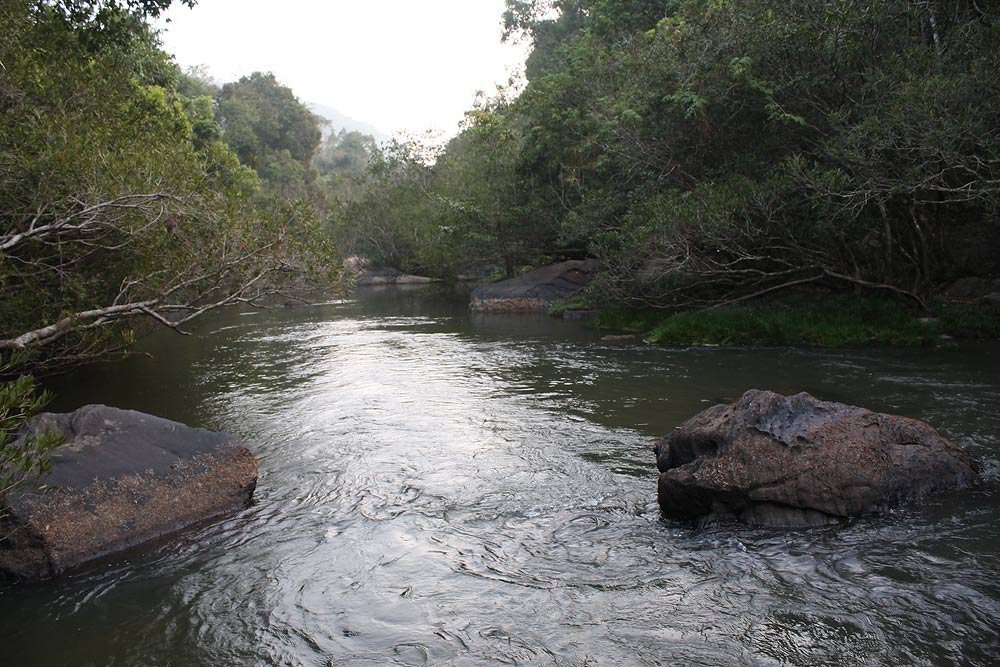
<point x="263" y="121"/>
<point x="119" y="200"/>
<point x="708" y="151"/>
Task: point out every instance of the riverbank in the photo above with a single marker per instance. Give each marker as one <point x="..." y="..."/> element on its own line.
<point x="831" y="321"/>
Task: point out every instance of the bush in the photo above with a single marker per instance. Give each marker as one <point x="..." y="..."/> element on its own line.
<point x="29" y="458"/>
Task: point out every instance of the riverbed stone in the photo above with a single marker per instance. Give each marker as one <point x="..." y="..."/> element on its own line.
<point x="536" y="290"/>
<point x="122" y="478"/>
<point x="796" y="461"/>
<point x="390" y="276"/>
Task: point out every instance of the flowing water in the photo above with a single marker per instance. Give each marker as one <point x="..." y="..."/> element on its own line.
<point x="443" y="489"/>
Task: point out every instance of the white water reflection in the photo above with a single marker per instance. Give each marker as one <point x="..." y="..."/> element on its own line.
<point x="445" y="490"/>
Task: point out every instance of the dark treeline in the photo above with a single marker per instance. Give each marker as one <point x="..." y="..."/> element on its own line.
<point x="712" y="151"/>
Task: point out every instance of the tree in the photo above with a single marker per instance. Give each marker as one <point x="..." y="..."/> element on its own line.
<point x="345" y="153"/>
<point x="20" y="461"/>
<point x="261" y="118"/>
<point x="704" y="164"/>
<point x="391" y="219"/>
<point x="118" y="205"/>
<point x="483" y="197"/>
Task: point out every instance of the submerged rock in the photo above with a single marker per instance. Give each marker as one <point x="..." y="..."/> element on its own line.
<point x="621" y="339"/>
<point x="122" y="478"/>
<point x="536" y="290"/>
<point x="797" y="461"/>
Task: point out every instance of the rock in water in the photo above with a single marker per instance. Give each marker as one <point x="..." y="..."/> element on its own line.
<point x="797" y="461"/>
<point x="123" y="477"/>
<point x="536" y="290"/>
<point x="390" y="276"/>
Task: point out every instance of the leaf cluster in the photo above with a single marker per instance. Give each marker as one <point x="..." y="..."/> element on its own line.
<point x="29" y="457"/>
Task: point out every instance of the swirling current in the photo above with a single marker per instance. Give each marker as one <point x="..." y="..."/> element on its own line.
<point x="445" y="489"/>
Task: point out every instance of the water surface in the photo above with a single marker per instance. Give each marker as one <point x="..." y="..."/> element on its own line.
<point x="451" y="490"/>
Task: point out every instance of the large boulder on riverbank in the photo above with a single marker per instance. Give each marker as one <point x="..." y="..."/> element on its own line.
<point x="536" y="290"/>
<point x="123" y="477"/>
<point x="798" y="461"/>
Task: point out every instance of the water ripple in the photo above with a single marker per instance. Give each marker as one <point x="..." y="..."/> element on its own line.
<point x="444" y="490"/>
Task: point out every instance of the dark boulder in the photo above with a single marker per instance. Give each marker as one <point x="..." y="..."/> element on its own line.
<point x="798" y="461"/>
<point x="122" y="478"/>
<point x="536" y="290"/>
<point x="973" y="289"/>
<point x="970" y="247"/>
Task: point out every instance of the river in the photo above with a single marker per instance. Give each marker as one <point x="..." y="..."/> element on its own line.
<point x="445" y="489"/>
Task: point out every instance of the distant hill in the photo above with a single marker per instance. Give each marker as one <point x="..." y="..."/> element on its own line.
<point x="340" y="122"/>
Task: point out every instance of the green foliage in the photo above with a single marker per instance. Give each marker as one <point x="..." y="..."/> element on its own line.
<point x="579" y="302"/>
<point x="345" y="154"/>
<point x="262" y="118"/>
<point x="446" y="214"/>
<point x="390" y="219"/>
<point x="703" y="162"/>
<point x="483" y="196"/>
<point x="196" y="82"/>
<point x="87" y="9"/>
<point x="118" y="199"/>
<point x="830" y="321"/>
<point x="20" y="400"/>
<point x="629" y="319"/>
<point x="968" y="321"/>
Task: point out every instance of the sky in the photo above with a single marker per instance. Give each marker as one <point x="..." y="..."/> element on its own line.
<point x="404" y="66"/>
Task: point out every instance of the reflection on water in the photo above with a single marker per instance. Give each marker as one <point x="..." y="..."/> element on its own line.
<point x="451" y="490"/>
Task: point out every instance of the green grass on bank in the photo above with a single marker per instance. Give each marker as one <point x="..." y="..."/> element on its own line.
<point x="578" y="302"/>
<point x="826" y="322"/>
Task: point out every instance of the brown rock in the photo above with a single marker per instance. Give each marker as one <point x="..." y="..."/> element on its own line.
<point x="968" y="288"/>
<point x="390" y="276"/>
<point x="798" y="461"/>
<point x="623" y="339"/>
<point x="122" y="478"/>
<point x="536" y="290"/>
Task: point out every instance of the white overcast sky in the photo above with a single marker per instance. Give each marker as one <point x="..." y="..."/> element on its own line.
<point x="401" y="65"/>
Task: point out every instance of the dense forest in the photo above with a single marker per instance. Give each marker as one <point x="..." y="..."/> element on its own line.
<point x="705" y="152"/>
<point x="709" y="152"/>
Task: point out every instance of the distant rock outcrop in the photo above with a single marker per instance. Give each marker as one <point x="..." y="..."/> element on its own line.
<point x="536" y="290"/>
<point x="390" y="276"/>
<point x="798" y="461"/>
<point x="123" y="477"/>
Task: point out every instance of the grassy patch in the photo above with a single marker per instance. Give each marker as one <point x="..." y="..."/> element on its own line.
<point x="631" y="320"/>
<point x="963" y="320"/>
<point x="578" y="302"/>
<point x="829" y="322"/>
